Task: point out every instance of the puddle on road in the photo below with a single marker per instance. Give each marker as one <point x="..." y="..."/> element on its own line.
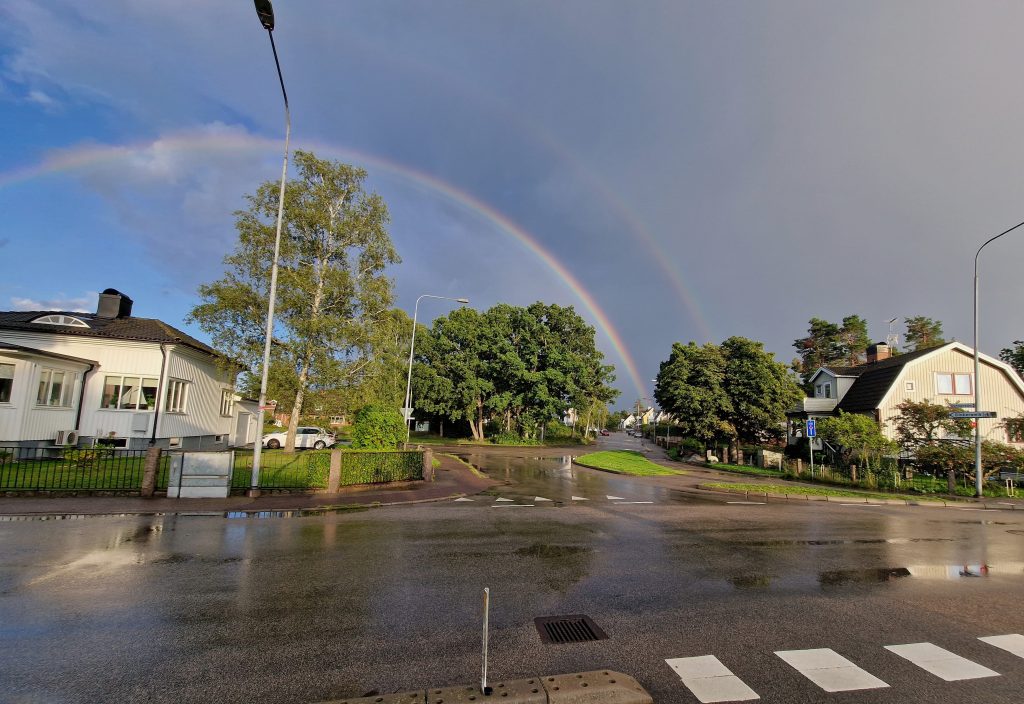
<point x="295" y="513"/>
<point x="552" y="551"/>
<point x="834" y="578"/>
<point x="857" y="541"/>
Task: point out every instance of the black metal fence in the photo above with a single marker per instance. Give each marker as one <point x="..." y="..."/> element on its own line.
<point x="58" y="469"/>
<point x="309" y="469"/>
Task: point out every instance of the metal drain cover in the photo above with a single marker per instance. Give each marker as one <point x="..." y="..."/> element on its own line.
<point x="575" y="628"/>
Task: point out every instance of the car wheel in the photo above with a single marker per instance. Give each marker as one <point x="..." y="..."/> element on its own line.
<point x="273" y="444"/>
<point x="319" y="445"/>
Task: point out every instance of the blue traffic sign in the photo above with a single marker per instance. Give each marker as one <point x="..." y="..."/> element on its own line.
<point x="812" y="430"/>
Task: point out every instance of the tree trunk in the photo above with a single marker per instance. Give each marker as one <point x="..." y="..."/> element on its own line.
<point x="951" y="481"/>
<point x="293" y="421"/>
<point x="442" y="428"/>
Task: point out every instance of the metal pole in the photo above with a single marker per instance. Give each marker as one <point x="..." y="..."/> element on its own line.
<point x="254" y="483"/>
<point x="977" y="370"/>
<point x="484" y="689"/>
<point x="408" y="380"/>
<point x="412" y="345"/>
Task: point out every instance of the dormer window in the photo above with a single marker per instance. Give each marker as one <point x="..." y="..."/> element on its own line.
<point x="68" y="320"/>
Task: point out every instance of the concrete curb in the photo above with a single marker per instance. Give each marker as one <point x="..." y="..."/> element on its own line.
<point x="939" y="503"/>
<point x="594" y="687"/>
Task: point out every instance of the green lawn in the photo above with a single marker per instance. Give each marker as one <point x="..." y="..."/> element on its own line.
<point x="797" y="490"/>
<point x="753" y="471"/>
<point x="625" y="462"/>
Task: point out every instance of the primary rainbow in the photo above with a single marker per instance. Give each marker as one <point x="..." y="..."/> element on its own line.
<point x="238" y="140"/>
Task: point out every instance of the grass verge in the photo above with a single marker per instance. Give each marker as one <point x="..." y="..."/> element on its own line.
<point x="752" y="471"/>
<point x="625" y="462"/>
<point x="469" y="466"/>
<point x="797" y="490"/>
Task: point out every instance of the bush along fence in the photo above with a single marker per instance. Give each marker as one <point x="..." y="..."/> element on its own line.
<point x="101" y="471"/>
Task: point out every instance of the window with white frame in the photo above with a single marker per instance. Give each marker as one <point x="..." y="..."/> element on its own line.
<point x="125" y="392"/>
<point x="55" y="386"/>
<point x="227" y="402"/>
<point x="177" y="396"/>
<point x="6" y="382"/>
<point x="952" y="384"/>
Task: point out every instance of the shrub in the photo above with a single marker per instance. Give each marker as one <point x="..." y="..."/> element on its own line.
<point x="377" y="428"/>
<point x="512" y="439"/>
<point x="691" y="446"/>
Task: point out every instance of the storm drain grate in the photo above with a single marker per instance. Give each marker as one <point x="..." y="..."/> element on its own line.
<point x="576" y="628"/>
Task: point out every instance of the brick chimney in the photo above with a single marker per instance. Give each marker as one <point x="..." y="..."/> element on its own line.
<point x="113" y="304"/>
<point x="878" y="352"/>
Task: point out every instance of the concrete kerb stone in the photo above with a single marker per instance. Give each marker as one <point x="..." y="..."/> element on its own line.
<point x="594" y="687"/>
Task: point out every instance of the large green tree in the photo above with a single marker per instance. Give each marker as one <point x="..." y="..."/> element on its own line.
<point x="924" y="333"/>
<point x="760" y="390"/>
<point x="858" y="437"/>
<point x="519" y="367"/>
<point x="690" y="386"/>
<point x="332" y="286"/>
<point x="828" y="343"/>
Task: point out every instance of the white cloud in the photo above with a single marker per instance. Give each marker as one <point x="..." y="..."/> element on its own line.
<point x="82" y="304"/>
<point x="41" y="99"/>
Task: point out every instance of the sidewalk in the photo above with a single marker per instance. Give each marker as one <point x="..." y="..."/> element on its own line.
<point x="452" y="478"/>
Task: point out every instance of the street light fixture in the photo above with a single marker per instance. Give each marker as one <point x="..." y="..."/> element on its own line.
<point x="265" y="11"/>
<point x="407" y="409"/>
<point x="977" y="368"/>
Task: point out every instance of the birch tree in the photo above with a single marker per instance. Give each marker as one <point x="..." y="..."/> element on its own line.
<point x="332" y="285"/>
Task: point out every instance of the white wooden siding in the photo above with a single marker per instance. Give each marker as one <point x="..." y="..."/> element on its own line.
<point x="116" y="357"/>
<point x="999" y="393"/>
<point x="22" y="418"/>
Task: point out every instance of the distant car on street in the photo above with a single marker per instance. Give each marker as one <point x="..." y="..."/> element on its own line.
<point x="305" y="437"/>
<point x="605" y="433"/>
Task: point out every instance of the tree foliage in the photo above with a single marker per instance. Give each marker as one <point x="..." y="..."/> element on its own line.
<point x="735" y="390"/>
<point x="924" y="333"/>
<point x="517" y="366"/>
<point x="828" y="343"/>
<point x="859" y="437"/>
<point x="1014" y="356"/>
<point x="331" y="283"/>
<point x="377" y="427"/>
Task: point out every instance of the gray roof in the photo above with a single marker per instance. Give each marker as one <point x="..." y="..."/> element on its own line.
<point x="126" y="328"/>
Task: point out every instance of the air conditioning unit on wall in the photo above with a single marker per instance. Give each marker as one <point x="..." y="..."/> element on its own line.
<point x="66" y="437"/>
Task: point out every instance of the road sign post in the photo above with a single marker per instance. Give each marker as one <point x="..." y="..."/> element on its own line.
<point x="812" y="432"/>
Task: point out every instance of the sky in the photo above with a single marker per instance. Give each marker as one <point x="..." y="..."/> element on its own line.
<point x="675" y="170"/>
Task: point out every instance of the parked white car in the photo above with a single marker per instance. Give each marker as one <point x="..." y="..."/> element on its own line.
<point x="305" y="436"/>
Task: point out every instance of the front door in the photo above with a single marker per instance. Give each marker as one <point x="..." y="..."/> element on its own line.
<point x="242" y="430"/>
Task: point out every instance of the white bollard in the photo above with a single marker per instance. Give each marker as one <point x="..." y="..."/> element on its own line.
<point x="484" y="689"/>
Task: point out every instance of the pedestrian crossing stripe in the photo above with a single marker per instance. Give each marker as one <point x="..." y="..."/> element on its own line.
<point x="830" y="670"/>
<point x="940" y="662"/>
<point x="1011" y="643"/>
<point x="710" y="680"/>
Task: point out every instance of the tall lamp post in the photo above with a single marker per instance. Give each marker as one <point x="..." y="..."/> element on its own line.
<point x="407" y="410"/>
<point x="977" y="368"/>
<point x="265" y="11"/>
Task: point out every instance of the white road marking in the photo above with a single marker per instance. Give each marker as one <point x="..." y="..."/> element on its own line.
<point x="579" y="498"/>
<point x="747" y="503"/>
<point x="463" y="499"/>
<point x="940" y="662"/>
<point x="513" y="506"/>
<point x="830" y="670"/>
<point x="972" y="509"/>
<point x="710" y="680"/>
<point x="1011" y="643"/>
<point x="622" y="503"/>
<point x="615" y="498"/>
<point x="500" y="498"/>
<point x="540" y="498"/>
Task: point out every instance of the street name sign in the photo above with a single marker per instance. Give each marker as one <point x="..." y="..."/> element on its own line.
<point x="812" y="429"/>
<point x="961" y="405"/>
<point x="973" y="414"/>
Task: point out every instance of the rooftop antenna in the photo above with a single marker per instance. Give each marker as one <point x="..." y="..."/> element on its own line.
<point x="893" y="338"/>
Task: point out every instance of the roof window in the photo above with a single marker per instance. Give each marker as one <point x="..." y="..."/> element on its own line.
<point x="68" y="320"/>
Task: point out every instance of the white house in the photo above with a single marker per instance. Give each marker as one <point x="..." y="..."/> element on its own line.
<point x="135" y="381"/>
<point x="943" y="375"/>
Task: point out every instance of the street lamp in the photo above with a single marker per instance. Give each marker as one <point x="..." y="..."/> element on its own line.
<point x="265" y="11"/>
<point x="407" y="410"/>
<point x="977" y="368"/>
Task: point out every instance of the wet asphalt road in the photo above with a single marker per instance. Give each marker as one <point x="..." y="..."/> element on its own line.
<point x="198" y="608"/>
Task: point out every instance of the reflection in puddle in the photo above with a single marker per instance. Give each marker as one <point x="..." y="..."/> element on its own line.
<point x="834" y="578"/>
<point x="864" y="541"/>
